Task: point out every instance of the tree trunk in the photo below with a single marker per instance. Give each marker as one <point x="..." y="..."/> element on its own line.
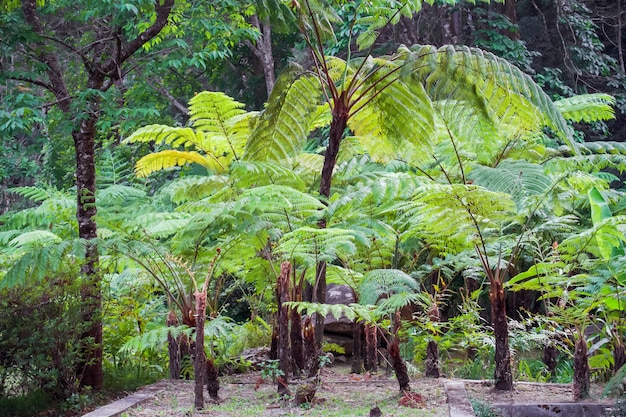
<point x="619" y="357"/>
<point x="432" y="360"/>
<point x="98" y="67"/>
<point x="212" y="380"/>
<point x="312" y="363"/>
<point x="84" y="145"/>
<point x="173" y="347"/>
<point x="371" y="348"/>
<point x="200" y="361"/>
<point x="263" y="51"/>
<point x="357" y="348"/>
<point x="549" y="358"/>
<point x="337" y="127"/>
<point x="283" y="329"/>
<point x="582" y="380"/>
<point x="297" y="352"/>
<point x="398" y="365"/>
<point x="502" y="374"/>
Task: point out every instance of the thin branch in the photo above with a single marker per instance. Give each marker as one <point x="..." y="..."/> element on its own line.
<point x="159" y="87"/>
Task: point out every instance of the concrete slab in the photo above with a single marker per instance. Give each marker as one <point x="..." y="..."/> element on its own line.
<point x="116" y="408"/>
<point x="457" y="399"/>
<point x="554" y="410"/>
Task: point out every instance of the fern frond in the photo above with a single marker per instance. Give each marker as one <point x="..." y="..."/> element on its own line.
<point x="283" y="201"/>
<point x="210" y="112"/>
<point x="113" y="168"/>
<point x="32" y="193"/>
<point x="517" y="178"/>
<point x="451" y="217"/>
<point x="384" y="282"/>
<point x="587" y="107"/>
<point x="251" y="174"/>
<point x="155" y="339"/>
<point x="117" y="193"/>
<point x="39" y="261"/>
<point x="34" y="238"/>
<point x="170" y="158"/>
<point x="285" y="124"/>
<point x="163" y="134"/>
<point x="193" y="188"/>
<point x="308" y="246"/>
<point x="503" y="92"/>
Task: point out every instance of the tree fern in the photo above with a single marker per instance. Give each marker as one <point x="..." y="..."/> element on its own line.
<point x="307" y="245"/>
<point x="517" y="178"/>
<point x="452" y="217"/>
<point x="587" y="107"/>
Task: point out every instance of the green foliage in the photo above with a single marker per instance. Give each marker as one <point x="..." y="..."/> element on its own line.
<point x="41" y="327"/>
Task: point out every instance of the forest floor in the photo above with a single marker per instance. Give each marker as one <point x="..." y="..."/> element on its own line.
<point x="340" y="394"/>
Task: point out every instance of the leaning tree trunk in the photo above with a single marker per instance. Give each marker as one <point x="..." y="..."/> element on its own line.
<point x="582" y="379"/>
<point x="502" y="374"/>
<point x="371" y="347"/>
<point x="173" y="348"/>
<point x="283" y="329"/>
<point x="402" y="375"/>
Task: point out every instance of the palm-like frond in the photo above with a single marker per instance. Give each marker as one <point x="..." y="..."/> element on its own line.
<point x="503" y="92"/>
<point x="118" y="193"/>
<point x="587" y="107"/>
<point x="452" y="217"/>
<point x="382" y="283"/>
<point x="40" y="261"/>
<point x="517" y="178"/>
<point x="284" y="125"/>
<point x="255" y="173"/>
<point x="170" y="158"/>
<point x="308" y="245"/>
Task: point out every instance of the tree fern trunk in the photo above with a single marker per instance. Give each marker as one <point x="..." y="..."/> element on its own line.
<point x="212" y="380"/>
<point x="502" y="374"/>
<point x="432" y="360"/>
<point x="357" y="348"/>
<point x="399" y="366"/>
<point x="173" y="347"/>
<point x="297" y="352"/>
<point x="199" y="363"/>
<point x="337" y="127"/>
<point x="283" y="329"/>
<point x="549" y="358"/>
<point x="308" y="332"/>
<point x="581" y="369"/>
<point x="371" y="347"/>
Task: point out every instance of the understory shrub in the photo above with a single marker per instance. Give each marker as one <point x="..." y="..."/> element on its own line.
<point x="40" y="329"/>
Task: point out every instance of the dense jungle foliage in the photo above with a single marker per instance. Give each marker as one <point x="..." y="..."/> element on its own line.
<point x="182" y="181"/>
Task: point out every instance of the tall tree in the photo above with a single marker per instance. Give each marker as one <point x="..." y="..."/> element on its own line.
<point x="76" y="53"/>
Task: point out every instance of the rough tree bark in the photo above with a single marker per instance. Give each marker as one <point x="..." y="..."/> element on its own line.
<point x="200" y="361"/>
<point x="308" y="333"/>
<point x="432" y="360"/>
<point x="371" y="348"/>
<point x="173" y="347"/>
<point x="357" y="348"/>
<point x="263" y="51"/>
<point x="549" y="358"/>
<point x="284" y="360"/>
<point x="397" y="362"/>
<point x="502" y="374"/>
<point x="297" y="352"/>
<point x="102" y="70"/>
<point x="582" y="380"/>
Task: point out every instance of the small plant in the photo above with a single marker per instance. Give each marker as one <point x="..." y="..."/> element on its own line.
<point x="482" y="409"/>
<point x="270" y="370"/>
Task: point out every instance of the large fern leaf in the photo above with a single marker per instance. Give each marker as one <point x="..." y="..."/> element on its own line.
<point x="587" y="107"/>
<point x="170" y="158"/>
<point x="285" y="124"/>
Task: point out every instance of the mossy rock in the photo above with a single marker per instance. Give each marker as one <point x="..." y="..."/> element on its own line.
<point x="616" y="385"/>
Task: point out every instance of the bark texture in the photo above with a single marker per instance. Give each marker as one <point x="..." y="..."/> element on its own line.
<point x="173" y="347"/>
<point x="549" y="358"/>
<point x="371" y="348"/>
<point x="212" y="380"/>
<point x="284" y="359"/>
<point x="357" y="342"/>
<point x="432" y="360"/>
<point x="200" y="361"/>
<point x="502" y="374"/>
<point x="399" y="366"/>
<point x="582" y="379"/>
